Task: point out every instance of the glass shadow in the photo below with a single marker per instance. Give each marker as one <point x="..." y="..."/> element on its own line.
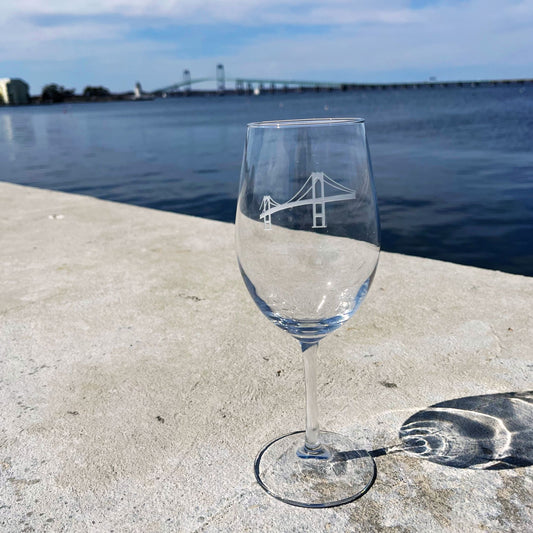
<point x="489" y="432"/>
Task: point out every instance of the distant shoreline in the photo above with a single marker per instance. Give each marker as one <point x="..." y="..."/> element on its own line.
<point x="260" y="89"/>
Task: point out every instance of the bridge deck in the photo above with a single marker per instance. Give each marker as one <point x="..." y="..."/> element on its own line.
<point x="310" y="201"/>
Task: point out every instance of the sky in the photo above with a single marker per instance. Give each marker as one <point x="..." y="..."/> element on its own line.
<point x="115" y="43"/>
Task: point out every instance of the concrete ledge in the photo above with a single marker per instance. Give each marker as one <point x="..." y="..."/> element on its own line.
<point x="138" y="381"/>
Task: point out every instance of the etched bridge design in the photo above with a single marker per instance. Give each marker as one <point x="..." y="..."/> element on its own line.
<point x="311" y="193"/>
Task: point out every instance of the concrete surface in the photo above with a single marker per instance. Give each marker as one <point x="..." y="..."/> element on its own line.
<point x="138" y="381"/>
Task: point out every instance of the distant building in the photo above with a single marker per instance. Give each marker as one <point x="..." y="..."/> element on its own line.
<point x="14" y="91"/>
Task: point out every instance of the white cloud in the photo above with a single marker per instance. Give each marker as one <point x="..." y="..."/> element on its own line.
<point x="466" y="34"/>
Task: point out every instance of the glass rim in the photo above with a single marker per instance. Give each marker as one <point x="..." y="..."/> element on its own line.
<point x="299" y="122"/>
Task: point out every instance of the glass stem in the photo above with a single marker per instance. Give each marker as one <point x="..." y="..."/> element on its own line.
<point x="312" y="439"/>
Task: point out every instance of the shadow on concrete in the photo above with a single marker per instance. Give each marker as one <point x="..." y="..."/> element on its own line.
<point x="489" y="432"/>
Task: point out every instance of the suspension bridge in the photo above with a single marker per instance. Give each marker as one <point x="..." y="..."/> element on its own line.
<point x="244" y="85"/>
<point x="312" y="193"/>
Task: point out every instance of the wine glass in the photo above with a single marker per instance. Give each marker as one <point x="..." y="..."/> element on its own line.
<point x="307" y="238"/>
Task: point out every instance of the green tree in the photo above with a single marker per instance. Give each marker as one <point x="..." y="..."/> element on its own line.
<point x="95" y="92"/>
<point x="55" y="93"/>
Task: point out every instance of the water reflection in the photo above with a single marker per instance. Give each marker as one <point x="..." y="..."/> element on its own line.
<point x="490" y="432"/>
<point x="17" y="134"/>
<point x="7" y="128"/>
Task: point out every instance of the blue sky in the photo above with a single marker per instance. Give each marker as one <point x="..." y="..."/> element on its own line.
<point x="115" y="42"/>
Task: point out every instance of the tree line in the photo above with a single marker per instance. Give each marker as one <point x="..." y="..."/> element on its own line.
<point x="54" y="93"/>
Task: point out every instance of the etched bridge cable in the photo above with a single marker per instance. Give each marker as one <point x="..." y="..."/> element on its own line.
<point x="314" y="185"/>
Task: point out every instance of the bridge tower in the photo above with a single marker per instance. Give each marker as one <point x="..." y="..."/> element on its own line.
<point x="319" y="205"/>
<point x="266" y="204"/>
<point x="186" y="80"/>
<point x="221" y="78"/>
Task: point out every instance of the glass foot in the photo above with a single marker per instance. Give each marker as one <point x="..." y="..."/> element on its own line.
<point x="340" y="475"/>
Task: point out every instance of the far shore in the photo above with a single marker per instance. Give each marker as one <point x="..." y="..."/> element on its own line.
<point x="260" y="89"/>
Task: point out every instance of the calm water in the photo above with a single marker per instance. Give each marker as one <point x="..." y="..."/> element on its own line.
<point x="453" y="167"/>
